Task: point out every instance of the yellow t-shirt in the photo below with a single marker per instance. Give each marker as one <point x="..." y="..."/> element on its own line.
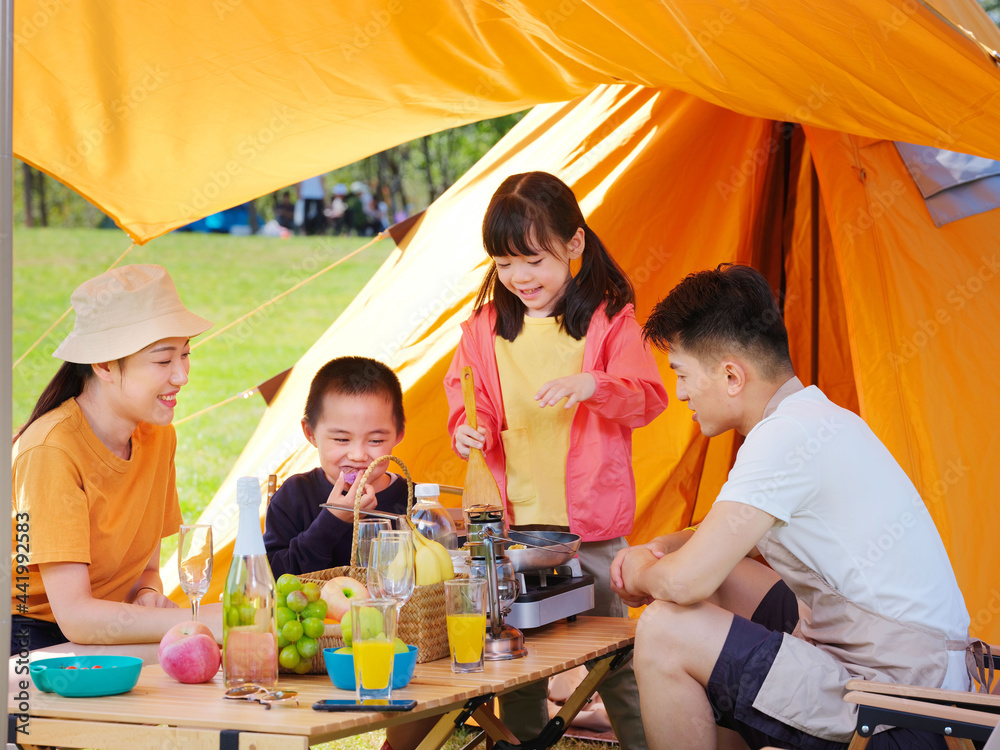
<point x="76" y="501"/>
<point x="536" y="441"/>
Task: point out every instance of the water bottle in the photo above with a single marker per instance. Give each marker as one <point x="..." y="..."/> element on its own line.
<point x="431" y="518"/>
<point x="250" y="627"/>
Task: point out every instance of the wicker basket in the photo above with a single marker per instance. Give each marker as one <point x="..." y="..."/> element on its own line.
<point x="422" y="621"/>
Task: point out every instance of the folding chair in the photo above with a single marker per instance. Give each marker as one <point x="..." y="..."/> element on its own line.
<point x="960" y="717"/>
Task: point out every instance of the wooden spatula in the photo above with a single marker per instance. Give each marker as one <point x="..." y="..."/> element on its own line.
<point x="480" y="486"/>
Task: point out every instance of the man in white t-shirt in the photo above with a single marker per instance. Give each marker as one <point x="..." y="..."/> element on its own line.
<point x="312" y="192"/>
<point x="859" y="583"/>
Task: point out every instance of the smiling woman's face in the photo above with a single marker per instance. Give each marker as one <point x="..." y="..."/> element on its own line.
<point x="150" y="380"/>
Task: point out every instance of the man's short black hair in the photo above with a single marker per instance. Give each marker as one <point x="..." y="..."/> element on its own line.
<point x="354" y="376"/>
<point x="729" y="310"/>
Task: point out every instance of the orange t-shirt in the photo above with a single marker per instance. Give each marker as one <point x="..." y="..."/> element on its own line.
<point x="76" y="501"/>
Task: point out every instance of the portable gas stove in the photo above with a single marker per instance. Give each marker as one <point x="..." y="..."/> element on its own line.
<point x="551" y="594"/>
<point x="544" y="594"/>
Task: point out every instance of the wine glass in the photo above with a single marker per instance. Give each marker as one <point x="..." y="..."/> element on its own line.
<point x="390" y="569"/>
<point x="194" y="562"/>
<point x="368" y="531"/>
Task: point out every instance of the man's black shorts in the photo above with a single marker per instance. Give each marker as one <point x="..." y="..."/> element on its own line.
<point x="746" y="658"/>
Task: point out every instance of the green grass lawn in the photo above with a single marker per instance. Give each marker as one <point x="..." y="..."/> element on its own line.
<point x="219" y="277"/>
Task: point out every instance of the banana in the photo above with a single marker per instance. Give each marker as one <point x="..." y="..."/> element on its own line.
<point x="397" y="568"/>
<point x="443" y="564"/>
<point x="424" y="560"/>
<point x="426" y="564"/>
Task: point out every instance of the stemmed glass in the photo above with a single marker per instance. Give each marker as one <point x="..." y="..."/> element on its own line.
<point x="368" y="531"/>
<point x="390" y="569"/>
<point x="194" y="562"/>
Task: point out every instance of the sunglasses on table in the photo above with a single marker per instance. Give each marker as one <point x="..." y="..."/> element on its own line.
<point x="260" y="694"/>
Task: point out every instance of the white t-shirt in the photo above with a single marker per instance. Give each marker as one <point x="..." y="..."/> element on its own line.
<point x="845" y="508"/>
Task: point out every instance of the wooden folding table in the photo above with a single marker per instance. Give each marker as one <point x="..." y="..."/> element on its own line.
<point x="162" y="714"/>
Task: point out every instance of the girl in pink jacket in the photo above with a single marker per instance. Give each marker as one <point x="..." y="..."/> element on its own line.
<point x="562" y="378"/>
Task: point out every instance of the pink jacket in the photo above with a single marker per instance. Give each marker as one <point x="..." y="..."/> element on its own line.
<point x="600" y="486"/>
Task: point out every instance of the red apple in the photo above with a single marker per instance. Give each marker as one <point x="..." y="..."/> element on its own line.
<point x="188" y="652"/>
<point x="338" y="592"/>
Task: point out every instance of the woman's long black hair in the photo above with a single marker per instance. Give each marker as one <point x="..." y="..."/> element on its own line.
<point x="67" y="383"/>
<point x="541" y="203"/>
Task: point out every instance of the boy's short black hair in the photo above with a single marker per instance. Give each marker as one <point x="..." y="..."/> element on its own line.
<point x="354" y="376"/>
<point x="727" y="310"/>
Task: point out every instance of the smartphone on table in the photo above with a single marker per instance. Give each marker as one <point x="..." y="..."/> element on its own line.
<point x="368" y="705"/>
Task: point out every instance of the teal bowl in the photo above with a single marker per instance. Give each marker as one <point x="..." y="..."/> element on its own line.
<point x="340" y="667"/>
<point x="86" y="676"/>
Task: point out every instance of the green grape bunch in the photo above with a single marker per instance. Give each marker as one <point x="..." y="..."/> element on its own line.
<point x="300" y="622"/>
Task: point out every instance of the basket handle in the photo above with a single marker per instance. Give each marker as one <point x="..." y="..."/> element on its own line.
<point x="362" y="482"/>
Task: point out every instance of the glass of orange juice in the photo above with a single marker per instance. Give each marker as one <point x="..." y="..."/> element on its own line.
<point x="465" y="609"/>
<point x="373" y="625"/>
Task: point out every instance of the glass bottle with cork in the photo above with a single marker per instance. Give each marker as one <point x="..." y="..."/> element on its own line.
<point x="250" y="627"/>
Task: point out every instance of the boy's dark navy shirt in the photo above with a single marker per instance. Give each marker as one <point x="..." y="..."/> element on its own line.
<point x="301" y="537"/>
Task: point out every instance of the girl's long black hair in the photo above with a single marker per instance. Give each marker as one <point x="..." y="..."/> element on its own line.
<point x="67" y="383"/>
<point x="542" y="204"/>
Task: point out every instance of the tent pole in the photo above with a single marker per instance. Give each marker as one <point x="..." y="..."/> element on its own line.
<point x="6" y="294"/>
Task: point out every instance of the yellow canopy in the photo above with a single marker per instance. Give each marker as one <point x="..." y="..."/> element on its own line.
<point x="188" y="107"/>
<point x="674" y="148"/>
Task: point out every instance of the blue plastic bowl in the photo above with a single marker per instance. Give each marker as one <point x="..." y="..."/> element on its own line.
<point x="340" y="667"/>
<point x="86" y="676"/>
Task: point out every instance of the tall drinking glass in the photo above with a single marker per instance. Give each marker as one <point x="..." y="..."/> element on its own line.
<point x="391" y="572"/>
<point x="194" y="562"/>
<point x="368" y="531"/>
<point x="373" y="624"/>
<point x="465" y="609"/>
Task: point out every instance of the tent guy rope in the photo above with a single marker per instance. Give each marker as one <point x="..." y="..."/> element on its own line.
<point x="376" y="238"/>
<point x="241" y="394"/>
<point x="62" y="317"/>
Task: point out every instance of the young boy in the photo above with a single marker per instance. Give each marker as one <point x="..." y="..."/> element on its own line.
<point x="353" y="415"/>
<point x="812" y="486"/>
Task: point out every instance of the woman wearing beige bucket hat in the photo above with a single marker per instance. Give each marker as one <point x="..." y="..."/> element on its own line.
<point x="93" y="470"/>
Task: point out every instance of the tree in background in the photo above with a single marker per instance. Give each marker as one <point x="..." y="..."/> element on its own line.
<point x="40" y="201"/>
